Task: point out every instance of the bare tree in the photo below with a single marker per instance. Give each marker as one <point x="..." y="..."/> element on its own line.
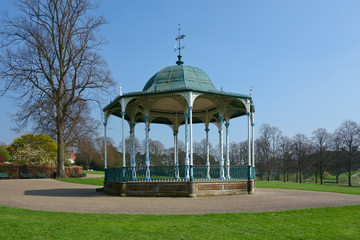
<point x="268" y="149"/>
<point x="275" y="137"/>
<point x="78" y="122"/>
<point x="113" y="156"/>
<point x="286" y="154"/>
<point x="349" y="135"/>
<point x="265" y="148"/>
<point x="199" y="152"/>
<point x="128" y="148"/>
<point x="321" y="141"/>
<point x="156" y="149"/>
<point x="336" y="163"/>
<point x="49" y="57"/>
<point x="235" y="157"/>
<point x="86" y="152"/>
<point x="260" y="157"/>
<point x="244" y="156"/>
<point x="300" y="148"/>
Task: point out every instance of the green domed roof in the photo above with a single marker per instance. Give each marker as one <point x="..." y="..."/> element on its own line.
<point x="178" y="77"/>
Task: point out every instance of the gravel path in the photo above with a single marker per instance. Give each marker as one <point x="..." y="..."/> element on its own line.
<point x="52" y="195"/>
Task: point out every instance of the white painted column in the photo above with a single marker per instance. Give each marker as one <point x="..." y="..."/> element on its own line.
<point x="227" y="161"/>
<point x="133" y="160"/>
<point x="123" y="145"/>
<point x="105" y="146"/>
<point x="221" y="143"/>
<point x="147" y="159"/>
<point x="253" y="139"/>
<point x="176" y="160"/>
<point x="191" y="148"/>
<point x="207" y="154"/>
<point x="187" y="173"/>
<point x="249" y="147"/>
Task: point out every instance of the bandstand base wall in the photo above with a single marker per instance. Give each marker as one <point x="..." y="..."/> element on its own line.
<point x="180" y="189"/>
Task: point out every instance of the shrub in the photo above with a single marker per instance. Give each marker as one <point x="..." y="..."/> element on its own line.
<point x="4" y="155"/>
<point x="33" y="149"/>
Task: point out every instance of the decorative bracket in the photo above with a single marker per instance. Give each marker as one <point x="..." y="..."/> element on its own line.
<point x="190" y="97"/>
<point x="124" y="102"/>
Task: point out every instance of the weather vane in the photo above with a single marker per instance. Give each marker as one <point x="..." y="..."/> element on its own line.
<point x="179" y="47"/>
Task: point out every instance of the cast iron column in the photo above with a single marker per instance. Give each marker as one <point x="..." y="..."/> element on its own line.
<point x="147" y="159"/>
<point x="133" y="161"/>
<point x="221" y="143"/>
<point x="176" y="161"/>
<point x="105" y="145"/>
<point x="207" y="154"/>
<point x="123" y="145"/>
<point x="187" y="174"/>
<point x="227" y="161"/>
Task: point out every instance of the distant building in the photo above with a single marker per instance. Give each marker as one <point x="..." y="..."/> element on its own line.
<point x="72" y="158"/>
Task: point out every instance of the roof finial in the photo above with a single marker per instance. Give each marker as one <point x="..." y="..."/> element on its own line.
<point x="251" y="90"/>
<point x="178" y="38"/>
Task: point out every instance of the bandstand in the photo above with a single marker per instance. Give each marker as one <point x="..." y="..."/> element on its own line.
<point x="181" y="95"/>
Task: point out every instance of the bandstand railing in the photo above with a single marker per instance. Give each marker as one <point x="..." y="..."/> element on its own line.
<point x="168" y="173"/>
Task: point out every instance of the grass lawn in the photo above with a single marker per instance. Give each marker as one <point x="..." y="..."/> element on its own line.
<point x="309" y="186"/>
<point x="320" y="223"/>
<point x="94" y="172"/>
<point x="91" y="181"/>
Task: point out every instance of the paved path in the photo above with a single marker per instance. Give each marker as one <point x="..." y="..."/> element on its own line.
<point x="52" y="195"/>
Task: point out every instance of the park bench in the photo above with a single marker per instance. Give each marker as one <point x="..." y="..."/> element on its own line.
<point x="4" y="175"/>
<point x="41" y="175"/>
<point x="83" y="175"/>
<point x="26" y="175"/>
<point x="74" y="175"/>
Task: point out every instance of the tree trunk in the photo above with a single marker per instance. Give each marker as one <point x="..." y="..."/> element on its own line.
<point x="337" y="178"/>
<point x="60" y="142"/>
<point x="284" y="176"/>
<point x="349" y="170"/>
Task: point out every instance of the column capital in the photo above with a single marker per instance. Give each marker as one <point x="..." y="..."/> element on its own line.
<point x="207" y="130"/>
<point x="227" y="124"/>
<point x="122" y="114"/>
<point x="147" y="118"/>
<point x="248" y="114"/>
<point x="104" y="123"/>
<point x="186" y="115"/>
<point x="176" y="132"/>
<point x="221" y="119"/>
<point x="190" y="108"/>
<point x="253" y="124"/>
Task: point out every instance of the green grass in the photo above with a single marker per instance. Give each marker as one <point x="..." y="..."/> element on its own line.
<point x="309" y="186"/>
<point x="94" y="172"/>
<point x="91" y="181"/>
<point x="320" y="223"/>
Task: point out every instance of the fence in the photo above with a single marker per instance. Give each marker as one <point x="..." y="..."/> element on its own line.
<point x="168" y="173"/>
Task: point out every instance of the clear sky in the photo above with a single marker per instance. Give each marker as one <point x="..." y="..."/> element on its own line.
<point x="302" y="58"/>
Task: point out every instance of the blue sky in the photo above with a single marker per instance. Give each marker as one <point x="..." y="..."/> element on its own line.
<point x="302" y="58"/>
